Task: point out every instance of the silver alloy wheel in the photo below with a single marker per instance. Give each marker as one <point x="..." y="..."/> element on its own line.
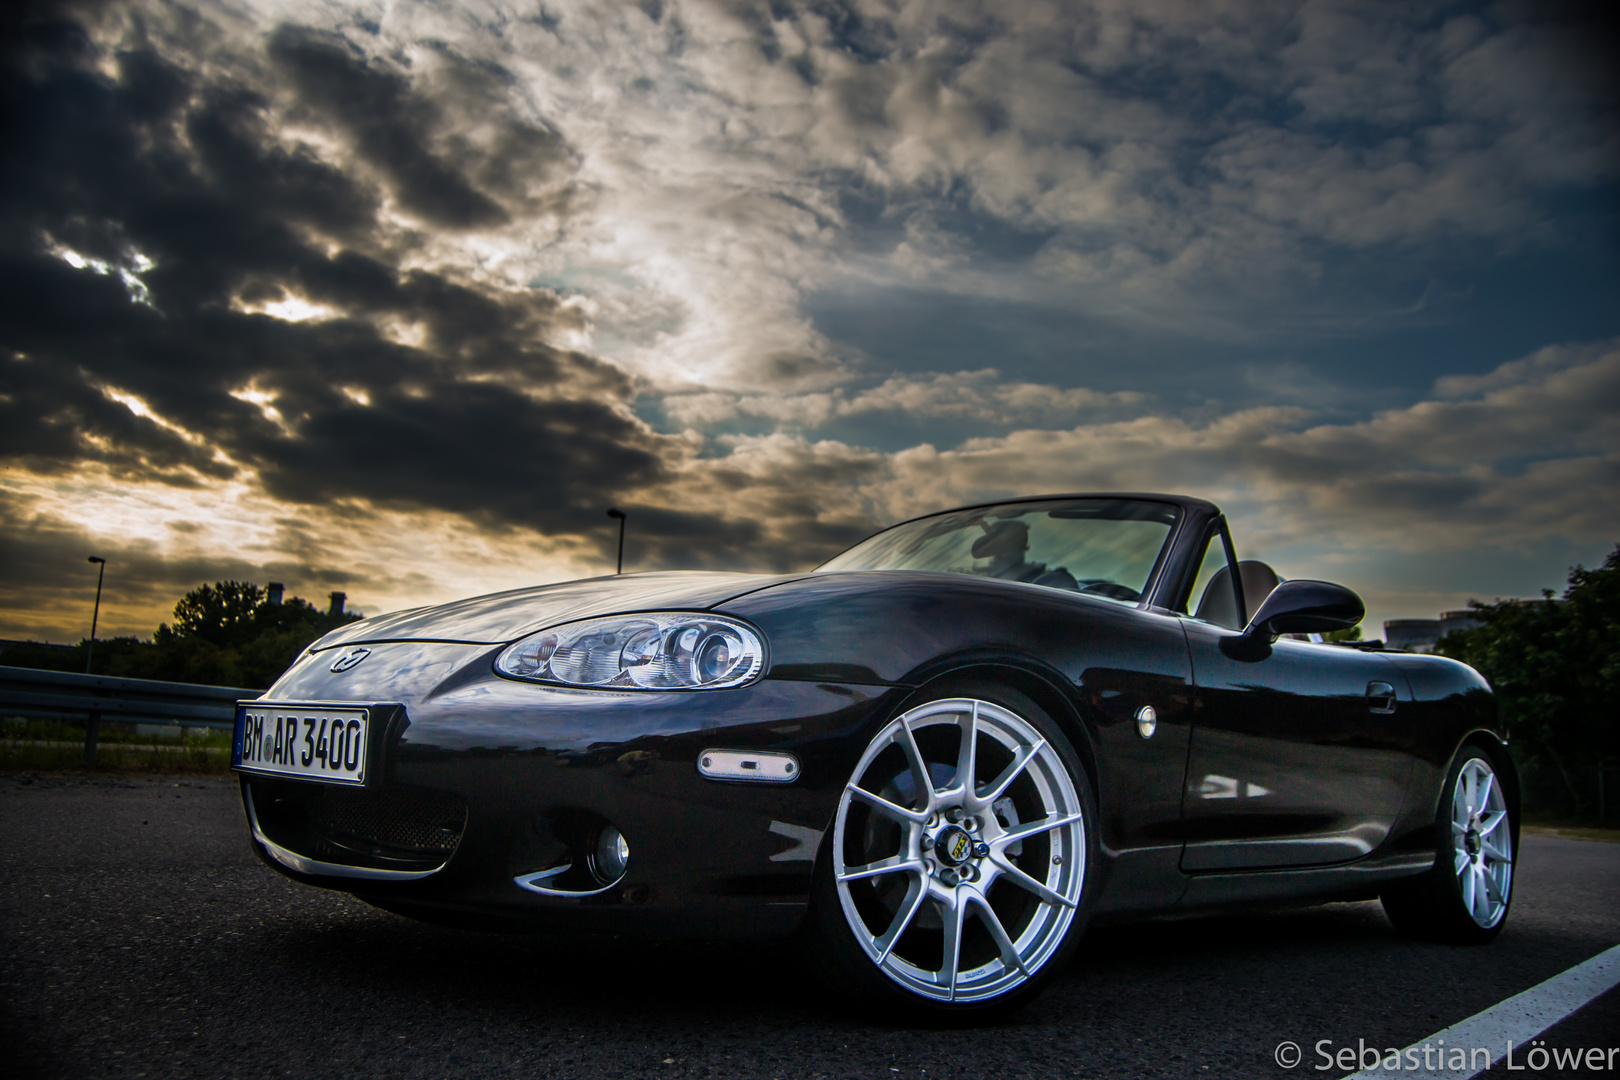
<point x="994" y="867"/>
<point x="1482" y="844"/>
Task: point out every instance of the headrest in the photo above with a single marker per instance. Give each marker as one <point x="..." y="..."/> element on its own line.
<point x="1001" y="538"/>
<point x="1258" y="581"/>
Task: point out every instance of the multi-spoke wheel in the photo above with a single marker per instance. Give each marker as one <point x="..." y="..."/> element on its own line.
<point x="1467" y="894"/>
<point x="959" y="856"/>
<point x="1482" y="848"/>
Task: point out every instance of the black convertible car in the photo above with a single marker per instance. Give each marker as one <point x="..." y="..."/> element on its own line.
<point x="940" y="754"/>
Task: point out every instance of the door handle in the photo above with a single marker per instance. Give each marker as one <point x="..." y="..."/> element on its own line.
<point x="1380" y="698"/>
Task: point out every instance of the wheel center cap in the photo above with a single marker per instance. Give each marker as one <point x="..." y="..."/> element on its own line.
<point x="953" y="845"/>
<point x="1471" y="842"/>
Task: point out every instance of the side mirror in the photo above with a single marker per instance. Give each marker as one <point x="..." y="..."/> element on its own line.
<point x="1305" y="607"/>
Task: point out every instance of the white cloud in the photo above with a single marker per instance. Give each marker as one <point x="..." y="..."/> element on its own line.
<point x="1520" y="461"/>
<point x="1190" y="160"/>
<point x="1524" y="456"/>
<point x="289" y="309"/>
<point x="982" y="396"/>
<point x="1181" y="164"/>
<point x="134" y="265"/>
<point x="385" y="560"/>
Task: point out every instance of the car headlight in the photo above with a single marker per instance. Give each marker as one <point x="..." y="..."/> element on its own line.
<point x="658" y="651"/>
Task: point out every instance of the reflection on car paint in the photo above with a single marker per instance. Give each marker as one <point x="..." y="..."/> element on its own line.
<point x="805" y="842"/>
<point x="1227" y="787"/>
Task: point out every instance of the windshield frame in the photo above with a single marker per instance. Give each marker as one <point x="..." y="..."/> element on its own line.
<point x="1186" y="511"/>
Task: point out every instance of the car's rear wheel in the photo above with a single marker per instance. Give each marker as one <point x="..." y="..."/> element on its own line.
<point x="1466" y="897"/>
<point x="956" y="875"/>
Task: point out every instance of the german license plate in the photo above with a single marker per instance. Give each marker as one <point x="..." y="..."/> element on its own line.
<point x="324" y="743"/>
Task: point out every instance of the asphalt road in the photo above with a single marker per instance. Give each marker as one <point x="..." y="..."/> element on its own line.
<point x="139" y="937"/>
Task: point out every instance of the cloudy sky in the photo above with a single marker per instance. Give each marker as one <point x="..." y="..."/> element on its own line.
<point x="399" y="297"/>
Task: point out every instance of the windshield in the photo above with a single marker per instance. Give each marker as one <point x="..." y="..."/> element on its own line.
<point x="1103" y="547"/>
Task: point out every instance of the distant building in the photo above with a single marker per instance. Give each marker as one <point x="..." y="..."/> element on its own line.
<point x="1421" y="635"/>
<point x="1454" y="622"/>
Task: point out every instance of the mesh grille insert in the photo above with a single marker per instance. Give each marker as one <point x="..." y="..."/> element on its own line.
<point x="405" y="819"/>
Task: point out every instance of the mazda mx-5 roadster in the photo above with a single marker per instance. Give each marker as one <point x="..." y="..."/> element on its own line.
<point x="938" y="756"/>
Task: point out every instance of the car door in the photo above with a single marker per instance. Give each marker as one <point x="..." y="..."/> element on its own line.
<point x="1297" y="757"/>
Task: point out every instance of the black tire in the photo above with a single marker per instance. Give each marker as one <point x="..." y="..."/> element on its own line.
<point x="843" y="928"/>
<point x="1443" y="904"/>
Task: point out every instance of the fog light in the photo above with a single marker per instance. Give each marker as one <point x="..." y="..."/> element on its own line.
<point x="609" y="855"/>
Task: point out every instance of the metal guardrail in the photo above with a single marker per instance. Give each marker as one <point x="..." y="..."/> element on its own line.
<point x="66" y="695"/>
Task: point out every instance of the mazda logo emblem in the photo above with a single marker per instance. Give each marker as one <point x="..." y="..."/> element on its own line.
<point x="350" y="659"/>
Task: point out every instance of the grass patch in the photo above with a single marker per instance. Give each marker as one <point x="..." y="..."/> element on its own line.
<point x="53" y="746"/>
<point x="1574" y="832"/>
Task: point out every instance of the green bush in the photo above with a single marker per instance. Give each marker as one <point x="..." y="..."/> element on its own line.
<point x="1555" y="666"/>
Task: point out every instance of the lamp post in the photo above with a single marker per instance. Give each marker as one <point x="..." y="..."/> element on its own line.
<point x="620" y="515"/>
<point x="90" y="653"/>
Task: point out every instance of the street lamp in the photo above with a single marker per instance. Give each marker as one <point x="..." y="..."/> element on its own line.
<point x="90" y="653"/>
<point x="620" y="515"/>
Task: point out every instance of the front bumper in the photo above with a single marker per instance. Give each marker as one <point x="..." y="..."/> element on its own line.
<point x="482" y="775"/>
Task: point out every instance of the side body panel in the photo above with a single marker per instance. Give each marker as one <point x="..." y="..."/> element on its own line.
<point x="1452" y="704"/>
<point x="1292" y="762"/>
<point x="1443" y="704"/>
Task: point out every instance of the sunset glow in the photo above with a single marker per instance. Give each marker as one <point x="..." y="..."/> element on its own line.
<point x="397" y="299"/>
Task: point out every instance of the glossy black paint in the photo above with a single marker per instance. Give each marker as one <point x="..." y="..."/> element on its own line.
<point x="1291" y="765"/>
<point x="1306" y="607"/>
<point x="517" y="752"/>
<point x="505" y="617"/>
<point x="1090" y="662"/>
<point x="1350" y="793"/>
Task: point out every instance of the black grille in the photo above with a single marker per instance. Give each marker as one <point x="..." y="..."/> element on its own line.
<point x="399" y="828"/>
<point x="401" y="819"/>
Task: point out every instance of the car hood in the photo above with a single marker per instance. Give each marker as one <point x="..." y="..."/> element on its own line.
<point x="507" y="616"/>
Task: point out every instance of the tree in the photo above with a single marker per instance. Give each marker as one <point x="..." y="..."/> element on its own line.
<point x="224" y="634"/>
<point x="1555" y="667"/>
<point x="222" y="614"/>
<point x="228" y="634"/>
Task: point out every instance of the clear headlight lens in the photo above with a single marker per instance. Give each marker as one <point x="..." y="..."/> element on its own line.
<point x="659" y="651"/>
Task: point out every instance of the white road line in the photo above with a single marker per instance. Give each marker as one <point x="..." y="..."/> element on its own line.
<point x="1518" y="1020"/>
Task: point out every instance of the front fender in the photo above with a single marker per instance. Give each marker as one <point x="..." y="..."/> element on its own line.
<point x="1105" y="661"/>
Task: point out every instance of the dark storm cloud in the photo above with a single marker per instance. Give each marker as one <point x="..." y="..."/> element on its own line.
<point x="227" y="129"/>
<point x="477" y="416"/>
<point x="810" y="227"/>
<point x="390" y="126"/>
<point x="658" y="536"/>
<point x="782" y="533"/>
